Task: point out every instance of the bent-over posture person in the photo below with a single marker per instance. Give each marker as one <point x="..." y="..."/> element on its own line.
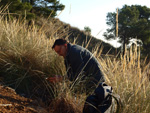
<point x="80" y="62"/>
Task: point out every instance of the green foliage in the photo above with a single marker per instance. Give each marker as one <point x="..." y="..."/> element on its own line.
<point x="87" y="30"/>
<point x="46" y="7"/>
<point x="36" y="7"/>
<point x="17" y="8"/>
<point x="133" y="22"/>
<point x="30" y="16"/>
<point x="42" y="11"/>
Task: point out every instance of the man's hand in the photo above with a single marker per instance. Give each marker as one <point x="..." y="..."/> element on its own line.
<point x="55" y="79"/>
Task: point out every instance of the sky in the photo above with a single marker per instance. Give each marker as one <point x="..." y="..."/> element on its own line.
<point x="92" y="13"/>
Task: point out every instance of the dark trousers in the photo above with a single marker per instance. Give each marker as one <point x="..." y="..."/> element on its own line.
<point x="100" y="101"/>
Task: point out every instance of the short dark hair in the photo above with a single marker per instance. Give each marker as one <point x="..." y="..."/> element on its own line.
<point x="59" y="42"/>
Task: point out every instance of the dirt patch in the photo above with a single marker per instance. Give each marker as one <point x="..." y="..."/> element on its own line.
<point x="10" y="102"/>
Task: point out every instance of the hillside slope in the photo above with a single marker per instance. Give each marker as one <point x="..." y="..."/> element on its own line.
<point x="10" y="102"/>
<point x="73" y="34"/>
<point x="80" y="37"/>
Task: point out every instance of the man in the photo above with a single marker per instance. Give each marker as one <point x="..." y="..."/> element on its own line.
<point x="81" y="64"/>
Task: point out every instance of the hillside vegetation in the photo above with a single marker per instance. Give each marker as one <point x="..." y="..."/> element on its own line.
<point x="26" y="59"/>
<point x="74" y="35"/>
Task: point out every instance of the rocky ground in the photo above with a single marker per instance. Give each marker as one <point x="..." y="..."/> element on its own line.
<point x="10" y="102"/>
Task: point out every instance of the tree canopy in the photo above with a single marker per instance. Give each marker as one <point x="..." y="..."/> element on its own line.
<point x="46" y="7"/>
<point x="133" y="22"/>
<point x="33" y="7"/>
<point x="87" y="30"/>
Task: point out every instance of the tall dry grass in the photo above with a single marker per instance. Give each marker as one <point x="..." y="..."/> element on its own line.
<point x="25" y="52"/>
<point x="129" y="77"/>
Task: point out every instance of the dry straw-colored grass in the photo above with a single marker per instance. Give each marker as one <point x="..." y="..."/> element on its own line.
<point x="26" y="54"/>
<point x="28" y="50"/>
<point x="25" y="51"/>
<point x="129" y="77"/>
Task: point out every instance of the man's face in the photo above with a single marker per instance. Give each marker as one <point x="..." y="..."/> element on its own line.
<point x="61" y="50"/>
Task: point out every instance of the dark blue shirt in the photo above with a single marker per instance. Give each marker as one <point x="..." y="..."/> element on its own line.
<point x="81" y="62"/>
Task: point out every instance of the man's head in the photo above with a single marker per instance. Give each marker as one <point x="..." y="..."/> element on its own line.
<point x="60" y="47"/>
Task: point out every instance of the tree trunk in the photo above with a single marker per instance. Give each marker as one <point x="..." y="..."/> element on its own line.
<point x="32" y="2"/>
<point x="124" y="45"/>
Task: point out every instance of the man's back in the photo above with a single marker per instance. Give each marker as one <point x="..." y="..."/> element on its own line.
<point x="80" y="60"/>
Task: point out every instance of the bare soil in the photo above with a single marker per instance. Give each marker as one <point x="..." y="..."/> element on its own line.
<point x="10" y="102"/>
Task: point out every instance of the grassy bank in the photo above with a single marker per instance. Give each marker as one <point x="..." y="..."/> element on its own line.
<point x="26" y="58"/>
